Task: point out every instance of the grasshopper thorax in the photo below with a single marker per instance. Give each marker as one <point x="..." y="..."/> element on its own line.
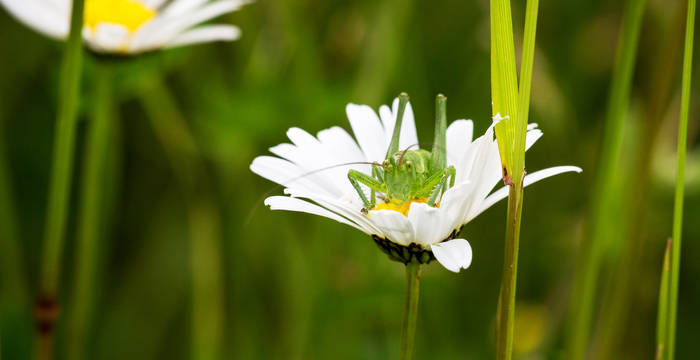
<point x="404" y="173"/>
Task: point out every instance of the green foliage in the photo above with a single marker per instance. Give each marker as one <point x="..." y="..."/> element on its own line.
<point x="294" y="286"/>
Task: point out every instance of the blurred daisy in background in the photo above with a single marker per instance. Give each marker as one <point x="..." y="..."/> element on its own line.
<point x="314" y="172"/>
<point x="130" y="26"/>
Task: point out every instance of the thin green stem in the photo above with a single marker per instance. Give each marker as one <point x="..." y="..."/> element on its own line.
<point x="60" y="184"/>
<point x="662" y="314"/>
<point x="603" y="207"/>
<point x="408" y="335"/>
<point x="680" y="180"/>
<point x="506" y="302"/>
<point x="89" y="235"/>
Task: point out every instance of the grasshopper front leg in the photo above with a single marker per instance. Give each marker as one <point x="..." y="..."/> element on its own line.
<point x="356" y="178"/>
<point x="445" y="175"/>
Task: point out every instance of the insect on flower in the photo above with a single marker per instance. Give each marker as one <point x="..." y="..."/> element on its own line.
<point x="408" y="175"/>
<point x="411" y="201"/>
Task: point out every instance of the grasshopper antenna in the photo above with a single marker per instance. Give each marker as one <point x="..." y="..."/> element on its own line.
<point x="404" y="151"/>
<point x="275" y="188"/>
<point x="394" y="144"/>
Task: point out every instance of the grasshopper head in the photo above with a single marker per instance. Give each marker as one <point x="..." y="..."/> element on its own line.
<point x="403" y="171"/>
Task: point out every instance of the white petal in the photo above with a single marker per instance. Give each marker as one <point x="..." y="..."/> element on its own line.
<point x="454" y="255"/>
<point x="368" y="131"/>
<point x="393" y="225"/>
<point x="456" y="204"/>
<point x="108" y="37"/>
<point x="428" y="224"/>
<point x="459" y="138"/>
<point x="206" y="34"/>
<point x="502" y="193"/>
<point x="532" y="136"/>
<point x="41" y="16"/>
<point x="294" y="204"/>
<point x="287" y="174"/>
<point x="163" y="29"/>
<point x="340" y="206"/>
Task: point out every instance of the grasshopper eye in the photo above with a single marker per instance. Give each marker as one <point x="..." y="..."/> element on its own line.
<point x="385" y="163"/>
<point x="409" y="164"/>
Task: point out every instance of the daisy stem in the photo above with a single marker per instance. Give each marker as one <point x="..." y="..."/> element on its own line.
<point x="506" y="302"/>
<point x="408" y="334"/>
<point x="680" y="181"/>
<point x="59" y="192"/>
<point x="89" y="234"/>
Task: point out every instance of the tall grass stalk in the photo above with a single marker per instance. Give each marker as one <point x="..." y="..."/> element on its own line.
<point x="605" y="197"/>
<point x="92" y="207"/>
<point x="662" y="314"/>
<point x="60" y="183"/>
<point x="203" y="218"/>
<point x="637" y="249"/>
<point x="512" y="102"/>
<point x="680" y="181"/>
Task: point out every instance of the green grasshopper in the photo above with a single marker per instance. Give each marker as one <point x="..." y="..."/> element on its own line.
<point x="409" y="175"/>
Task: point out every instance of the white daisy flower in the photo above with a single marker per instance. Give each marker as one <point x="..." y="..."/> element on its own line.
<point x="130" y="26"/>
<point x="314" y="172"/>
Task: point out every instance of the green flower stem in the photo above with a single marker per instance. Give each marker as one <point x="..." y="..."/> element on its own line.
<point x="408" y="335"/>
<point x="89" y="234"/>
<point x="603" y="206"/>
<point x="202" y="216"/>
<point x="60" y="184"/>
<point x="680" y="180"/>
<point x="506" y="302"/>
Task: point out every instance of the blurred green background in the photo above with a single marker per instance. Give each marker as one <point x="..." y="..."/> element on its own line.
<point x="192" y="265"/>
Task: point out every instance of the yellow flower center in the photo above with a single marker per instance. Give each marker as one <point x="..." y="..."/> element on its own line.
<point x="403" y="208"/>
<point x="128" y="13"/>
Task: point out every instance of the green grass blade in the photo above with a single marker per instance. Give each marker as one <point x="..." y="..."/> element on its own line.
<point x="527" y="63"/>
<point x="511" y="134"/>
<point x="504" y="92"/>
<point x="606" y="198"/>
<point x="662" y="314"/>
<point x="680" y="180"/>
<point x="92" y="207"/>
